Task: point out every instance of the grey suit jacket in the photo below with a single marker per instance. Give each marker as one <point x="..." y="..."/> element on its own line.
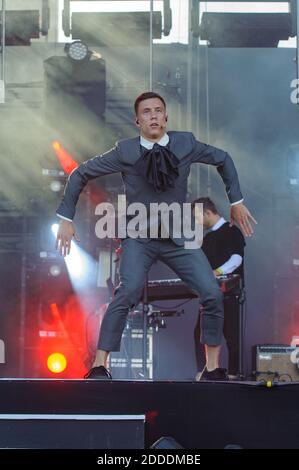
<point x="122" y="157"/>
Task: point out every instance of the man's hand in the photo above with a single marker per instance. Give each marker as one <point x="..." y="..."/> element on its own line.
<point x="66" y="231"/>
<point x="240" y="214"/>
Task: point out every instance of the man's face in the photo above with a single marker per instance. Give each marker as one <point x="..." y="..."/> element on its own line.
<point x="151" y="119"/>
<point x="203" y="218"/>
<point x="206" y="222"/>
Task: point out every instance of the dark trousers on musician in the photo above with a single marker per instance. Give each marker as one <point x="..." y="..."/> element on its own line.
<point x="191" y="265"/>
<point x="230" y="333"/>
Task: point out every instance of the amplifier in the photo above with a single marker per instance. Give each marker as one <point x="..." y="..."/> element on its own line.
<point x="273" y="362"/>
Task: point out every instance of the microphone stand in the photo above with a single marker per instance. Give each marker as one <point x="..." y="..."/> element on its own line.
<point x="145" y="310"/>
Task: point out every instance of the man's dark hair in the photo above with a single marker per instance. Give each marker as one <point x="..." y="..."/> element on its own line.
<point x="145" y="96"/>
<point x="208" y="204"/>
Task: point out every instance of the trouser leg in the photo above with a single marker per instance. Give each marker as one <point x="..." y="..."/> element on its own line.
<point x="231" y="332"/>
<point x="194" y="269"/>
<point x="136" y="259"/>
<point x="199" y="347"/>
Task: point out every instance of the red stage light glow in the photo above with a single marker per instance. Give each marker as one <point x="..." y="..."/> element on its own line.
<point x="66" y="161"/>
<point x="56" y="363"/>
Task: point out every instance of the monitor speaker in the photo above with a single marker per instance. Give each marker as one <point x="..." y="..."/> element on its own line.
<point x="166" y="442"/>
<point x="276" y="362"/>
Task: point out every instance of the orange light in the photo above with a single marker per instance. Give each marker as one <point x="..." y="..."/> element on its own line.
<point x="56" y="363"/>
<point x="65" y="159"/>
<point x="56" y="145"/>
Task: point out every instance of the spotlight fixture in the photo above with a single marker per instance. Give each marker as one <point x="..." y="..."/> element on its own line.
<point x="55" y="186"/>
<point x="55" y="270"/>
<point x="56" y="362"/>
<point x="54" y="228"/>
<point x="245" y="29"/>
<point x="77" y="51"/>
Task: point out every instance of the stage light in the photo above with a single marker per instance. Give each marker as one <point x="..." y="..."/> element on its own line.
<point x="81" y="268"/>
<point x="65" y="159"/>
<point x="77" y="51"/>
<point x="56" y="363"/>
<point x="75" y="263"/>
<point x="55" y="186"/>
<point x="21" y="26"/>
<point x="54" y="228"/>
<point x="80" y="265"/>
<point x="53" y="173"/>
<point x="114" y="29"/>
<point x="55" y="270"/>
<point x="56" y="145"/>
<point x="245" y="29"/>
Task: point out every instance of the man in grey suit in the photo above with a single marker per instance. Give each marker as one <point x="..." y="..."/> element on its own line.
<point x="155" y="168"/>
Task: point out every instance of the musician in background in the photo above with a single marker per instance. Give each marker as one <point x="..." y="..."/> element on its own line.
<point x="223" y="244"/>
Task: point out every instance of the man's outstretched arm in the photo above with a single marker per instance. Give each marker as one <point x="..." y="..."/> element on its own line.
<point x="203" y="153"/>
<point x="108" y="163"/>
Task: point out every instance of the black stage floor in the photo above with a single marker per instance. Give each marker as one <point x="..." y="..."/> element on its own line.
<point x="204" y="415"/>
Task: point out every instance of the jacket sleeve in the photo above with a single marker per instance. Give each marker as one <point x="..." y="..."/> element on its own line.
<point x="203" y="153"/>
<point x="109" y="162"/>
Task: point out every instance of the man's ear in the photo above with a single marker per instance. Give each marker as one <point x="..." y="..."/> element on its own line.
<point x="137" y="122"/>
<point x="166" y="118"/>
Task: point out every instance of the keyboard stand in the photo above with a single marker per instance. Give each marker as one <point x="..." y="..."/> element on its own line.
<point x="145" y="310"/>
<point x="241" y="301"/>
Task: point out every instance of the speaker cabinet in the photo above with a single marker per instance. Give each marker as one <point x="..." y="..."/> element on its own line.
<point x="276" y="362"/>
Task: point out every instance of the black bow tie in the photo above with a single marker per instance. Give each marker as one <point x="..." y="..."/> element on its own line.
<point x="159" y="166"/>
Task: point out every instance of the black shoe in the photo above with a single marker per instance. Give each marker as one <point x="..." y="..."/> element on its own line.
<point x="98" y="373"/>
<point x="213" y="375"/>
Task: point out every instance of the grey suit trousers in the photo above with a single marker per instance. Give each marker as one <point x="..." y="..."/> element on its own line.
<point x="190" y="265"/>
